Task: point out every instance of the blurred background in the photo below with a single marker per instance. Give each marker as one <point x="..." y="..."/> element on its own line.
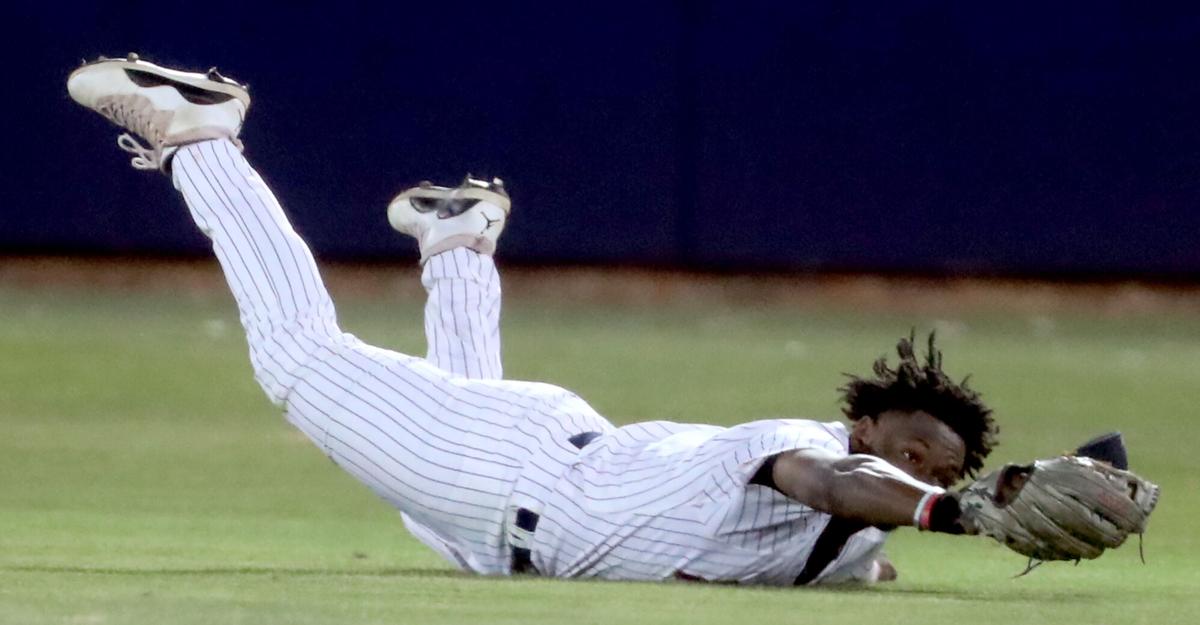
<point x="981" y="138"/>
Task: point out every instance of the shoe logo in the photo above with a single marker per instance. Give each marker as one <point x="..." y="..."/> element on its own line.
<point x="490" y="223"/>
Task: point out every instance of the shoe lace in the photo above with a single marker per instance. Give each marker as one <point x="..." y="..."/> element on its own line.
<point x="144" y="158"/>
<point x="137" y="116"/>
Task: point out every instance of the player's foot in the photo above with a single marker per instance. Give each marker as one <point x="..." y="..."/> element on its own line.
<point x="167" y="108"/>
<point x="471" y="215"/>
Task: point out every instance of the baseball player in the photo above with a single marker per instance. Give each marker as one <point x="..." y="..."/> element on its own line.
<point x="504" y="477"/>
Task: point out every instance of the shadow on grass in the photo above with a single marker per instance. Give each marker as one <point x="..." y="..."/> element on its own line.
<point x="995" y="594"/>
<point x="242" y="570"/>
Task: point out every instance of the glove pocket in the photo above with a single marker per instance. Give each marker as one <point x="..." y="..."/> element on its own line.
<point x="1052" y="524"/>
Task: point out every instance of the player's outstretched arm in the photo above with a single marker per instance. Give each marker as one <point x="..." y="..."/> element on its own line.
<point x="857" y="487"/>
<point x="1072" y="508"/>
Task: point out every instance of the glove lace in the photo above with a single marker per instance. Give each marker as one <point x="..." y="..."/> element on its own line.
<point x="1031" y="565"/>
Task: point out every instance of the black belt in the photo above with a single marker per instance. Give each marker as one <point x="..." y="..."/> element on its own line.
<point x="522" y="558"/>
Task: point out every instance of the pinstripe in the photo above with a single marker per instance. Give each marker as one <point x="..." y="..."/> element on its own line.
<point x="312" y="288"/>
<point x="476" y="300"/>
<point x="762" y="537"/>
<point x="218" y="170"/>
<point x="272" y="324"/>
<point x="370" y="476"/>
<point x="398" y="493"/>
<point x="387" y="414"/>
<point x="471" y="302"/>
<point x="452" y="446"/>
<point x="458" y="312"/>
<point x="636" y="548"/>
<point x="454" y="344"/>
<point x="238" y="273"/>
<point x="263" y="326"/>
<point x="389" y="422"/>
<point x="235" y="268"/>
<point x="259" y="238"/>
<point x="427" y="425"/>
<point x="419" y="389"/>
<point x="376" y="422"/>
<point x="461" y="285"/>
<point x="258" y="266"/>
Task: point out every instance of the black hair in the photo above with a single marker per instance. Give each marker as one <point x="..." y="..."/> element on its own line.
<point x="914" y="385"/>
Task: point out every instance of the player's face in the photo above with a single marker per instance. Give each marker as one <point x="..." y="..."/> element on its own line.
<point x="915" y="442"/>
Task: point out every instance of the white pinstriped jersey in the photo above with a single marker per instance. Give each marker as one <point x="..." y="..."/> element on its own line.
<point x="456" y="449"/>
<point x="659" y="500"/>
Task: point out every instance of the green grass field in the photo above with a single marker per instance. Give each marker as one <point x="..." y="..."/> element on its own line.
<point x="144" y="478"/>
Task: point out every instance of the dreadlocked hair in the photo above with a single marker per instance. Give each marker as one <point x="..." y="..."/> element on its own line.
<point x="915" y="385"/>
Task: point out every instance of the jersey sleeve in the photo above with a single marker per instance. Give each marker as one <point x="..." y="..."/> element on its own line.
<point x="764" y="439"/>
<point x="746" y="517"/>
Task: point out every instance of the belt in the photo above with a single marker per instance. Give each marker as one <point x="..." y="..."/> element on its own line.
<point x="527" y="520"/>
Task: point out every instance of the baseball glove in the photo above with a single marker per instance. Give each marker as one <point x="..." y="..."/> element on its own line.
<point x="1064" y="508"/>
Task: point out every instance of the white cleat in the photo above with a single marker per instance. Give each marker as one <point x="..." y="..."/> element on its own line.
<point x="167" y="108"/>
<point x="471" y="215"/>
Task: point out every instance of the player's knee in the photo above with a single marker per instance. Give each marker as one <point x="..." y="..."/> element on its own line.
<point x="281" y="359"/>
<point x="270" y="385"/>
<point x="274" y="369"/>
<point x="277" y="364"/>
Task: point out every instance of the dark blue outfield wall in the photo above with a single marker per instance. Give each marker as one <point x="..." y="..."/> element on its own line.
<point x="959" y="137"/>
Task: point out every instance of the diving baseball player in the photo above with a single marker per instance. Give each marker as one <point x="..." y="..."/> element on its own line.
<point x="505" y="477"/>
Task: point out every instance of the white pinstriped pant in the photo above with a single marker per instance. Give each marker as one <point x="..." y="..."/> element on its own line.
<point x="441" y="438"/>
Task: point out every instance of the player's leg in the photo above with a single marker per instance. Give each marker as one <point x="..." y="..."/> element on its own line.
<point x="462" y="307"/>
<point x="462" y="313"/>
<point x="388" y="419"/>
<point x="433" y="447"/>
<point x="457" y="229"/>
<point x="282" y="302"/>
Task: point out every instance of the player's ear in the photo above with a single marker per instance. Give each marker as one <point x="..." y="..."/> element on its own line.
<point x="863" y="433"/>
